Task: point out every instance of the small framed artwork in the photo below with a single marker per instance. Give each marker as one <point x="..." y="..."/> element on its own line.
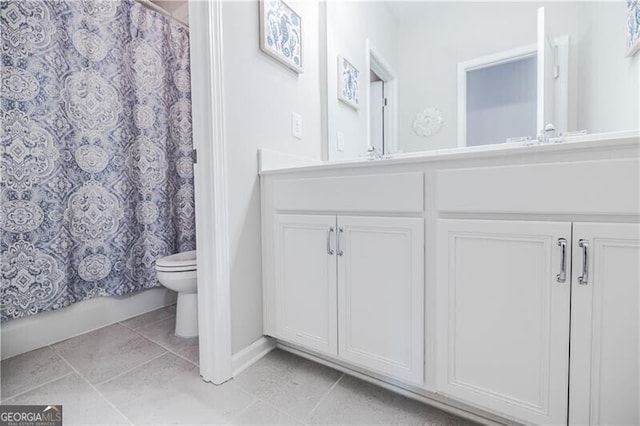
<point x="281" y="33"/>
<point x="348" y="83"/>
<point x="633" y="27"/>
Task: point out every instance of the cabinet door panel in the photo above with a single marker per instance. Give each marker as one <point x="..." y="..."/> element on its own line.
<point x="605" y="326"/>
<point x="381" y="295"/>
<point x="306" y="282"/>
<point x="503" y="319"/>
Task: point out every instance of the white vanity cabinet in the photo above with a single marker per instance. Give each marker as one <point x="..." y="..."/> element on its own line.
<point x="352" y="287"/>
<point x="503" y="318"/>
<point x="381" y="295"/>
<point x="503" y="282"/>
<point x="305" y="285"/>
<point x="508" y="291"/>
<point x="515" y="295"/>
<point x="605" y="325"/>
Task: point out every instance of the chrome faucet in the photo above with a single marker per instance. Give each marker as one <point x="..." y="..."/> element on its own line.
<point x="547" y="133"/>
<point x="374" y="153"/>
<point x="550" y="134"/>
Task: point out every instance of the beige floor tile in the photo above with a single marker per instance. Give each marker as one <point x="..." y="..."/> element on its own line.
<point x="354" y="401"/>
<point x="150" y="317"/>
<point x="169" y="390"/>
<point x="32" y="369"/>
<point x="292" y="384"/>
<point x="107" y="352"/>
<point x="81" y="404"/>
<point x="260" y="413"/>
<point x="163" y="333"/>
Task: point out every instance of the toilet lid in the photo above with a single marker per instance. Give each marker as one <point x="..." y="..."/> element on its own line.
<point x="185" y="261"/>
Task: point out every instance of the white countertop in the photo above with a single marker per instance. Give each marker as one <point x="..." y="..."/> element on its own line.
<point x="275" y="163"/>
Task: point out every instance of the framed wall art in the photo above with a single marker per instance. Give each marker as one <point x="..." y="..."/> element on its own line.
<point x="633" y="27"/>
<point x="348" y="83"/>
<point x="281" y="33"/>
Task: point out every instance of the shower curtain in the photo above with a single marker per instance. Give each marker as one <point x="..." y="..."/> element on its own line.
<point x="96" y="177"/>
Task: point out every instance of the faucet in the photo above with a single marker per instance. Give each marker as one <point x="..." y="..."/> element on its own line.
<point x="374" y="153"/>
<point x="549" y="134"/>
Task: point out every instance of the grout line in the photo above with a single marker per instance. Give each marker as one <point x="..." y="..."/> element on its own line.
<point x="166" y="348"/>
<point x="268" y="403"/>
<point x="3" y="400"/>
<point x="133" y="368"/>
<point x="245" y="409"/>
<point x="94" y="388"/>
<point x="308" y="416"/>
<point x="145" y="325"/>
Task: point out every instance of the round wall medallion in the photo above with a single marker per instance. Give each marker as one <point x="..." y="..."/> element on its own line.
<point x="428" y="122"/>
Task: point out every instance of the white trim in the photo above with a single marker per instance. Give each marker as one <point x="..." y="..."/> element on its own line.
<point x="562" y="97"/>
<point x="479" y="63"/>
<point x="212" y="221"/>
<point x="252" y="354"/>
<point x="540" y="100"/>
<point x="442" y="402"/>
<point x="376" y="63"/>
<point x="36" y="331"/>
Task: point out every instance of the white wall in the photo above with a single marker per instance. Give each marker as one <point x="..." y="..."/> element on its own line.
<point x="260" y="95"/>
<point x="434" y="40"/>
<point x="603" y="83"/>
<point x="349" y="25"/>
<point x="609" y="86"/>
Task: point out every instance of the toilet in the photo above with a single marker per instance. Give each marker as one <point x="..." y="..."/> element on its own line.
<point x="178" y="273"/>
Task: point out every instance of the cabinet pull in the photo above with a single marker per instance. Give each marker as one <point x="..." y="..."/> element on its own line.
<point x="329" y="249"/>
<point x="339" y="250"/>
<point x="584" y="278"/>
<point x="562" y="276"/>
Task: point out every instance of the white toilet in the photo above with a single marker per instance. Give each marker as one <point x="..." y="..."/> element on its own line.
<point x="178" y="273"/>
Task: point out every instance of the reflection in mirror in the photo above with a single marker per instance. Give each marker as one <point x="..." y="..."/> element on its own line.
<point x="440" y="75"/>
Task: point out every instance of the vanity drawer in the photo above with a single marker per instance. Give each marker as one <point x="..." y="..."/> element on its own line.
<point x="608" y="187"/>
<point x="384" y="193"/>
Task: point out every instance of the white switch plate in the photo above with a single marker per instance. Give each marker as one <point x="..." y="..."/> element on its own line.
<point x="340" y="136"/>
<point x="296" y="125"/>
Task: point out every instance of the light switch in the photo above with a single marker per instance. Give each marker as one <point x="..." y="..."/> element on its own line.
<point x="340" y="136"/>
<point x="296" y="125"/>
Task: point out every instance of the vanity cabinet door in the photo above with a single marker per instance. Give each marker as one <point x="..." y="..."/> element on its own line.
<point x="381" y="295"/>
<point x="605" y="325"/>
<point x="306" y="282"/>
<point x="503" y="316"/>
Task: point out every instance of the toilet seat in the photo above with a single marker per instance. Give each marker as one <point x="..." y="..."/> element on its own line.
<point x="176" y="268"/>
<point x="179" y="262"/>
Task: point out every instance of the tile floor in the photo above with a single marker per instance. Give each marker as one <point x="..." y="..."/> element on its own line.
<point x="138" y="372"/>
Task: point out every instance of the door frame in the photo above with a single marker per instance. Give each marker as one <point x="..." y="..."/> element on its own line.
<point x="475" y="64"/>
<point x="210" y="182"/>
<point x="375" y="62"/>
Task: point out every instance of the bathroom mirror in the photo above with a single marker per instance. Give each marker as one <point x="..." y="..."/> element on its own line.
<point x="439" y="75"/>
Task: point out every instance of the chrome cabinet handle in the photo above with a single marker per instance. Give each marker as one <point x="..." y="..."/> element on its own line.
<point x="562" y="276"/>
<point x="329" y="249"/>
<point x="584" y="278"/>
<point x="339" y="250"/>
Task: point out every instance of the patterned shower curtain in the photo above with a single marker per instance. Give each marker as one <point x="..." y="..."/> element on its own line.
<point x="96" y="173"/>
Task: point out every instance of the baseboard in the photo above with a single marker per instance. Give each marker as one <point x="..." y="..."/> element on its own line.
<point x="435" y="400"/>
<point x="251" y="354"/>
<point x="36" y="331"/>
